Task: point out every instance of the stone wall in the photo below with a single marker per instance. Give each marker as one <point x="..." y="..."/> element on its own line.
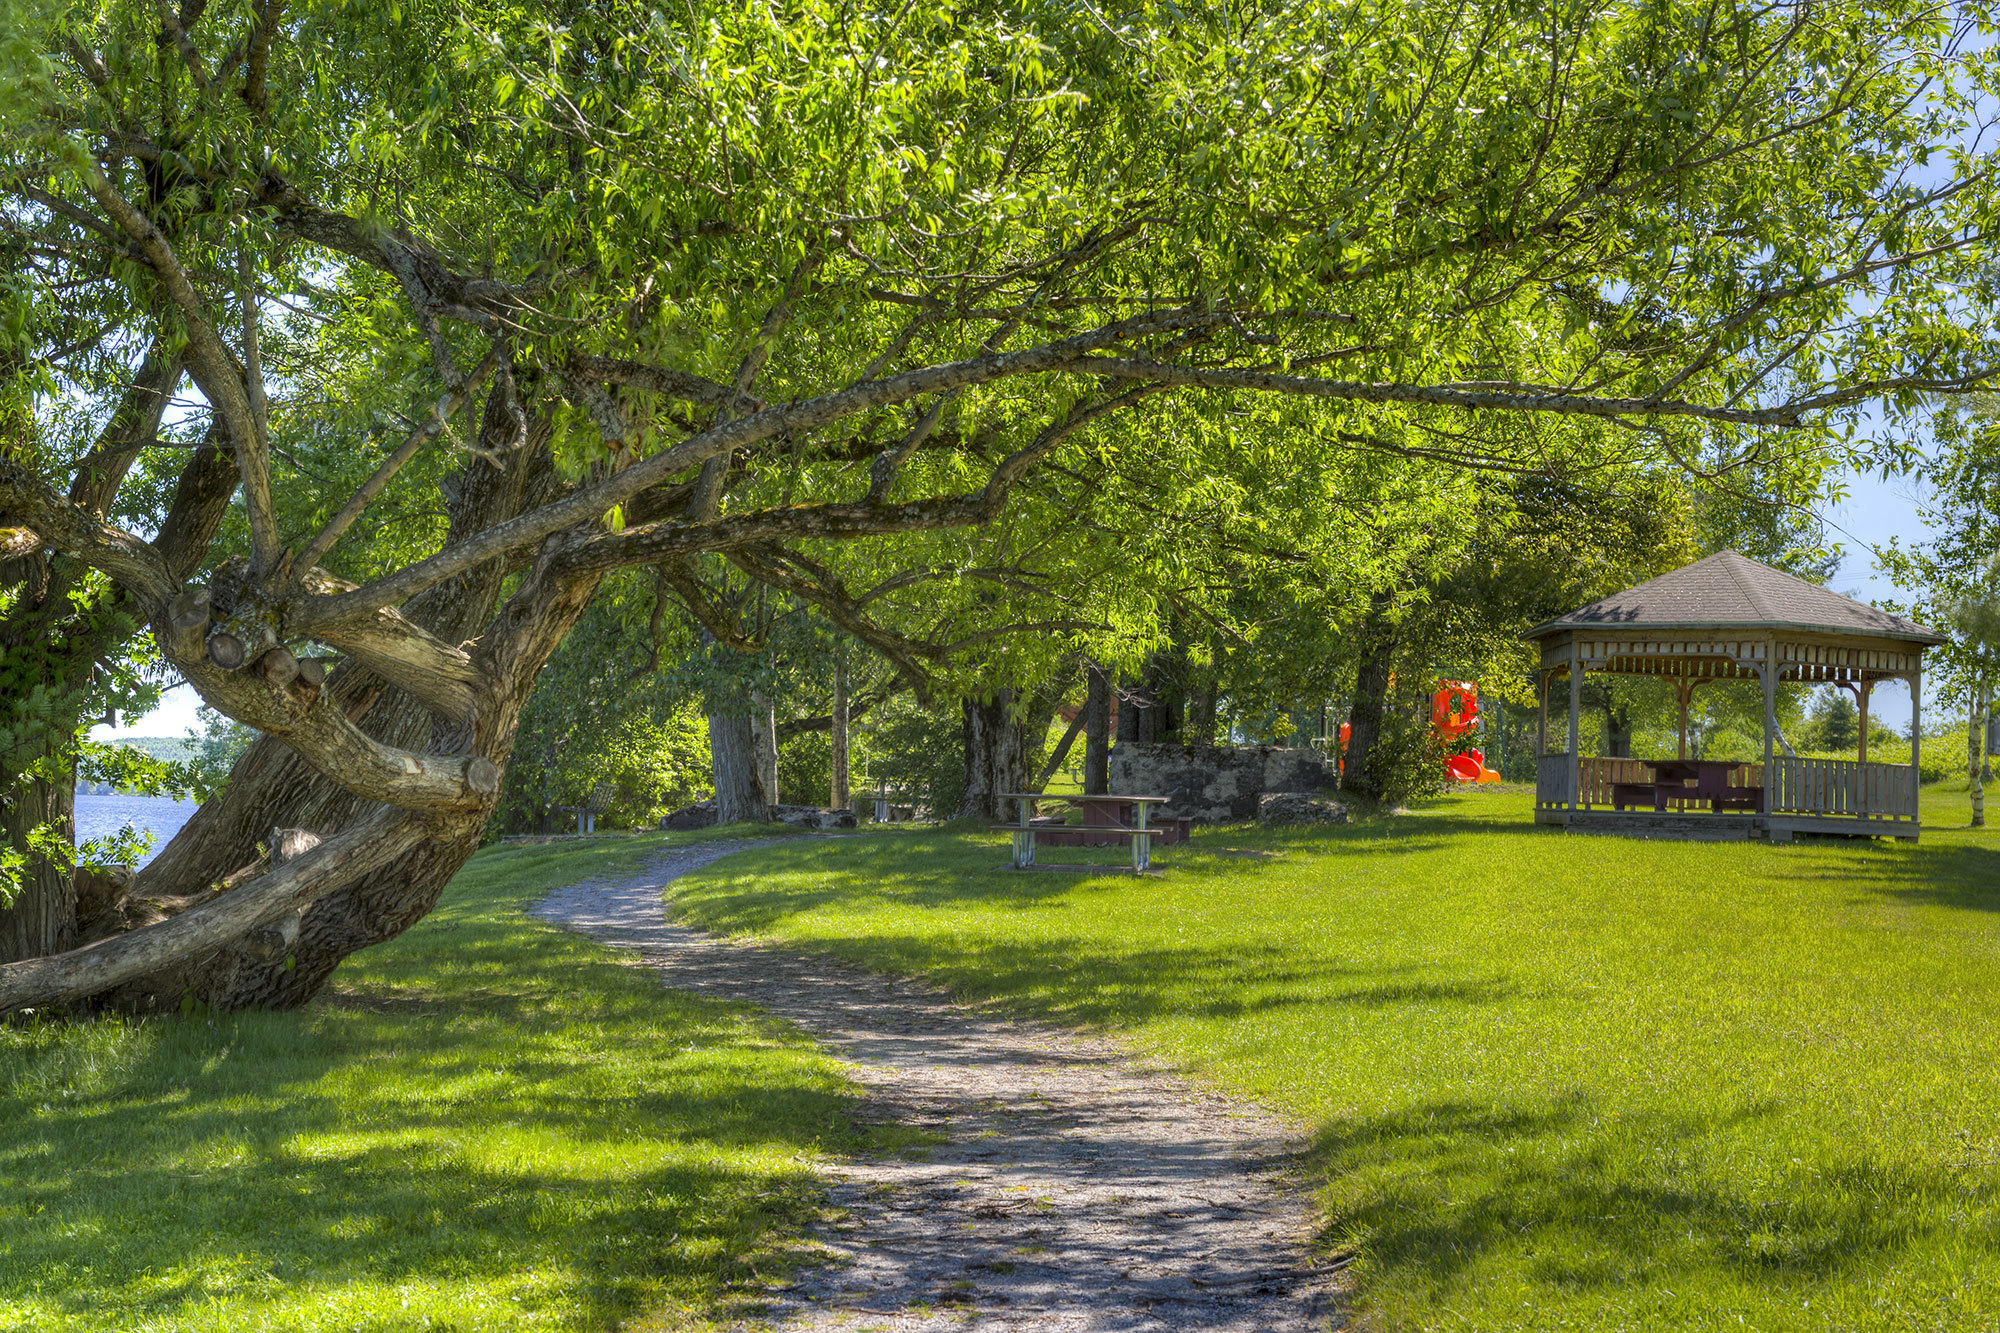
<point x="1213" y="782"/>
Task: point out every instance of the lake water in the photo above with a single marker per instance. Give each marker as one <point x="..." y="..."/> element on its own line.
<point x="162" y="816"/>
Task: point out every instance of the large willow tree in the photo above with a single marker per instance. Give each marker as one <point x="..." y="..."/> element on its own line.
<point x="377" y="334"/>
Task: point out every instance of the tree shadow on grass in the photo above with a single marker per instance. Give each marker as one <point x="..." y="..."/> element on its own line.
<point x="592" y="1148"/>
<point x="1938" y="872"/>
<point x="1561" y="1194"/>
<point x="1084" y="981"/>
<point x="941" y="869"/>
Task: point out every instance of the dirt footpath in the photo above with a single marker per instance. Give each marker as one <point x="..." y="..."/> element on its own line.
<point x="1074" y="1189"/>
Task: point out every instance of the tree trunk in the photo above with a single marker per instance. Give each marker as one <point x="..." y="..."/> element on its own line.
<point x="1975" y="746"/>
<point x="764" y="738"/>
<point x="272" y="786"/>
<point x="732" y="749"/>
<point x="1129" y="708"/>
<point x="1097" y="733"/>
<point x="839" y="797"/>
<point x="1618" y="732"/>
<point x="1371" y="696"/>
<point x="1198" y="726"/>
<point x="993" y="755"/>
<point x="42" y="919"/>
<point x="1157" y="720"/>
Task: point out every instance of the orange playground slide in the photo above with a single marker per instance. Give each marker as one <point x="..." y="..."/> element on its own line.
<point x="1454" y="712"/>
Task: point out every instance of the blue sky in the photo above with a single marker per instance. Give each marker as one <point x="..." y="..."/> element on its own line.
<point x="1874" y="511"/>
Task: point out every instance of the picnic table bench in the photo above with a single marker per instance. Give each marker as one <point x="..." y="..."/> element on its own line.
<point x="1107" y="820"/>
<point x="1688" y="781"/>
<point x="596" y="804"/>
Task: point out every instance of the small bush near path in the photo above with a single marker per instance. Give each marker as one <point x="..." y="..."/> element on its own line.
<point x="488" y="1124"/>
<point x="1557" y="1082"/>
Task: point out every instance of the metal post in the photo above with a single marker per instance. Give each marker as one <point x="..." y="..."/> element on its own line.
<point x="1142" y="844"/>
<point x="1916" y="734"/>
<point x="1024" y="841"/>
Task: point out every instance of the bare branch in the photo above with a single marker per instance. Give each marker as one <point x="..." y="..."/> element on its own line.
<point x="591" y="502"/>
<point x="831" y="597"/>
<point x="209" y="358"/>
<point x="27" y="501"/>
<point x="448" y="402"/>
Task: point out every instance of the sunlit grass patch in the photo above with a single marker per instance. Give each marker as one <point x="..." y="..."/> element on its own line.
<point x="488" y="1124"/>
<point x="1556" y="1081"/>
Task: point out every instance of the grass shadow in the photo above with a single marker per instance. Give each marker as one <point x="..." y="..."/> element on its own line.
<point x="490" y="1125"/>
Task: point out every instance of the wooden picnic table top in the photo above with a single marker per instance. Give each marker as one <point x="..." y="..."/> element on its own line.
<point x="1695" y="765"/>
<point x="1101" y="796"/>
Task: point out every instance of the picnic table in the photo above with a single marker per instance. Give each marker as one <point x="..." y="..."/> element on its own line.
<point x="1106" y="820"/>
<point x="1689" y="780"/>
<point x="596" y="804"/>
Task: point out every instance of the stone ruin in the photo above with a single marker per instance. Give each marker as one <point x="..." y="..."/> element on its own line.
<point x="1215" y="783"/>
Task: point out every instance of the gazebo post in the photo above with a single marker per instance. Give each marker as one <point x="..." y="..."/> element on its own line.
<point x="1861" y="692"/>
<point x="1683" y="691"/>
<point x="1575" y="708"/>
<point x="1769" y="671"/>
<point x="1542" y="705"/>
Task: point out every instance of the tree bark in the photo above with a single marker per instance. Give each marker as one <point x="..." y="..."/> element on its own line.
<point x="838" y="797"/>
<point x="994" y="759"/>
<point x="764" y="738"/>
<point x="1097" y="733"/>
<point x="1060" y="753"/>
<point x="273" y="786"/>
<point x="732" y="750"/>
<point x="1198" y="725"/>
<point x="1130" y="710"/>
<point x="1377" y="644"/>
<point x="1975" y="746"/>
<point x="1618" y="732"/>
<point x="42" y="919"/>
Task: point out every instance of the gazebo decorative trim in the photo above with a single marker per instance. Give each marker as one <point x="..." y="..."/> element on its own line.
<point x="1730" y="618"/>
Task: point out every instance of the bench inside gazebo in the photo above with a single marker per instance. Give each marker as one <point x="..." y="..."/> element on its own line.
<point x="1729" y="618"/>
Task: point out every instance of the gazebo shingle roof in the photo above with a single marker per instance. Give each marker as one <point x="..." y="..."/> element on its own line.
<point x="1732" y="591"/>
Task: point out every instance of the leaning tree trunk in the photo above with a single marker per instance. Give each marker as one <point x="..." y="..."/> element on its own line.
<point x="1371" y="700"/>
<point x="732" y="750"/>
<point x="272" y="786"/>
<point x="994" y="755"/>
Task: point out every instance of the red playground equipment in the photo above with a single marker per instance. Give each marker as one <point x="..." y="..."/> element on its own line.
<point x="1454" y="712"/>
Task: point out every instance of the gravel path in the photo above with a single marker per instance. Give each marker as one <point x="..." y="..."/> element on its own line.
<point x="1075" y="1188"/>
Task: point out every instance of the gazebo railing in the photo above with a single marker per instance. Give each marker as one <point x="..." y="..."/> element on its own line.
<point x="1837" y="787"/>
<point x="1552" y="781"/>
<point x="1844" y="787"/>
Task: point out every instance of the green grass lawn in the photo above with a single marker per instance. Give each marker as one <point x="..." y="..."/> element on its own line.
<point x="489" y="1124"/>
<point x="1557" y="1082"/>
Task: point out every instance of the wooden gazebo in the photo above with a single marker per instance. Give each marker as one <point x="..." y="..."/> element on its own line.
<point x="1730" y="618"/>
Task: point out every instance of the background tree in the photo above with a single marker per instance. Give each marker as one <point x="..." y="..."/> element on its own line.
<point x="1957" y="571"/>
